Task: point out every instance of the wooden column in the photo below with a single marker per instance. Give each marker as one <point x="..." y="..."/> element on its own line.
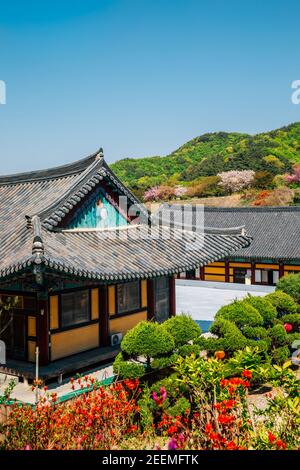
<point x="42" y="330"/>
<point x="172" y="295"/>
<point x="151" y="299"/>
<point x="281" y="270"/>
<point x="202" y="275"/>
<point x="227" y="278"/>
<point x="104" y="316"/>
<point x="252" y="273"/>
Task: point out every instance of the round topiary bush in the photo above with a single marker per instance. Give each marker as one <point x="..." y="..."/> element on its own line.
<point x="241" y="313"/>
<point x="283" y="303"/>
<point x="183" y="329"/>
<point x="147" y="339"/>
<point x="264" y="307"/>
<point x="290" y="285"/>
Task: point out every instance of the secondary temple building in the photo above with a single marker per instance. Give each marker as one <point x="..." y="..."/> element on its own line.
<point x="83" y="263"/>
<point x="274" y="250"/>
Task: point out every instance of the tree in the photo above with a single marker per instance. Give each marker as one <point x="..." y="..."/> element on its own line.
<point x="233" y="181"/>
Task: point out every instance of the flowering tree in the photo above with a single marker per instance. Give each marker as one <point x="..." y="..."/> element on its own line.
<point x="152" y="194"/>
<point x="180" y="191"/>
<point x="233" y="181"/>
<point x="295" y="178"/>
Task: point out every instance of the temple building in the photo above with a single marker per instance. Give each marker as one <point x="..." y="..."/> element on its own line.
<point x="274" y="250"/>
<point x="83" y="264"/>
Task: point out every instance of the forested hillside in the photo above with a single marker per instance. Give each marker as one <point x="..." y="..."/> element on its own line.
<point x="271" y="152"/>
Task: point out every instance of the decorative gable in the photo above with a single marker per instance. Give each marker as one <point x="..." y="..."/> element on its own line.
<point x="98" y="211"/>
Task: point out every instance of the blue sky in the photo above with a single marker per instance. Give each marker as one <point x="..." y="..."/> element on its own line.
<point x="140" y="77"/>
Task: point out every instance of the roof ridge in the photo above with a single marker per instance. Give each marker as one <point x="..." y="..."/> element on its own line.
<point x="253" y="209"/>
<point x="76" y="186"/>
<point x="61" y="171"/>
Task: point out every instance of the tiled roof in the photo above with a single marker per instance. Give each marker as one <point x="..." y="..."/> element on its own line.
<point x="33" y="206"/>
<point x="127" y="253"/>
<point x="275" y="231"/>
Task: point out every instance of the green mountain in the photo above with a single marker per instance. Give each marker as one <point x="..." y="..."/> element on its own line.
<point x="275" y="152"/>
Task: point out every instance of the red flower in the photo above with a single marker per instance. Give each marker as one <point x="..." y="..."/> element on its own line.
<point x="208" y="428"/>
<point x="280" y="444"/>
<point x="272" y="438"/>
<point x="247" y="374"/>
<point x="231" y="446"/>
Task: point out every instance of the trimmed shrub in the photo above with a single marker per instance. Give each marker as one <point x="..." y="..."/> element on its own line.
<point x="293" y="318"/>
<point x="255" y="332"/>
<point x="164" y="361"/>
<point x="126" y="369"/>
<point x="281" y="355"/>
<point x="188" y="349"/>
<point x="264" y="307"/>
<point x="183" y="329"/>
<point x="290" y="285"/>
<point x="283" y="303"/>
<point x="241" y="313"/>
<point x="230" y="337"/>
<point x="278" y="335"/>
<point x="147" y="339"/>
<point x="293" y="337"/>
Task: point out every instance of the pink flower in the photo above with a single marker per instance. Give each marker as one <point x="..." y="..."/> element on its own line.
<point x="160" y="399"/>
<point x="172" y="444"/>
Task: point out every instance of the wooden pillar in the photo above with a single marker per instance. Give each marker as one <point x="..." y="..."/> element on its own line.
<point x="252" y="273"/>
<point x="42" y="333"/>
<point x="151" y="299"/>
<point x="202" y="275"/>
<point x="281" y="270"/>
<point x="227" y="278"/>
<point x="172" y="296"/>
<point x="104" y="316"/>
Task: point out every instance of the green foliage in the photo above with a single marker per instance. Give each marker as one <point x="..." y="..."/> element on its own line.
<point x="182" y="328"/>
<point x="164" y="361"/>
<point x="281" y="354"/>
<point x="278" y="335"/>
<point x="263" y="180"/>
<point x="264" y="307"/>
<point x="205" y="187"/>
<point x="181" y="407"/>
<point x="147" y="339"/>
<point x="188" y="349"/>
<point x="293" y="318"/>
<point x="230" y="337"/>
<point x="251" y="359"/>
<point x="241" y="313"/>
<point x="290" y="285"/>
<point x="283" y="303"/>
<point x="255" y="332"/>
<point x="126" y="369"/>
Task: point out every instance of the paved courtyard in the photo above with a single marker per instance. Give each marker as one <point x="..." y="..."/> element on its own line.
<point x="203" y="299"/>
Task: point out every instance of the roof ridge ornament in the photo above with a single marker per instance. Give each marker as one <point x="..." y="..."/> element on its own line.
<point x="37" y="244"/>
<point x="100" y="154"/>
